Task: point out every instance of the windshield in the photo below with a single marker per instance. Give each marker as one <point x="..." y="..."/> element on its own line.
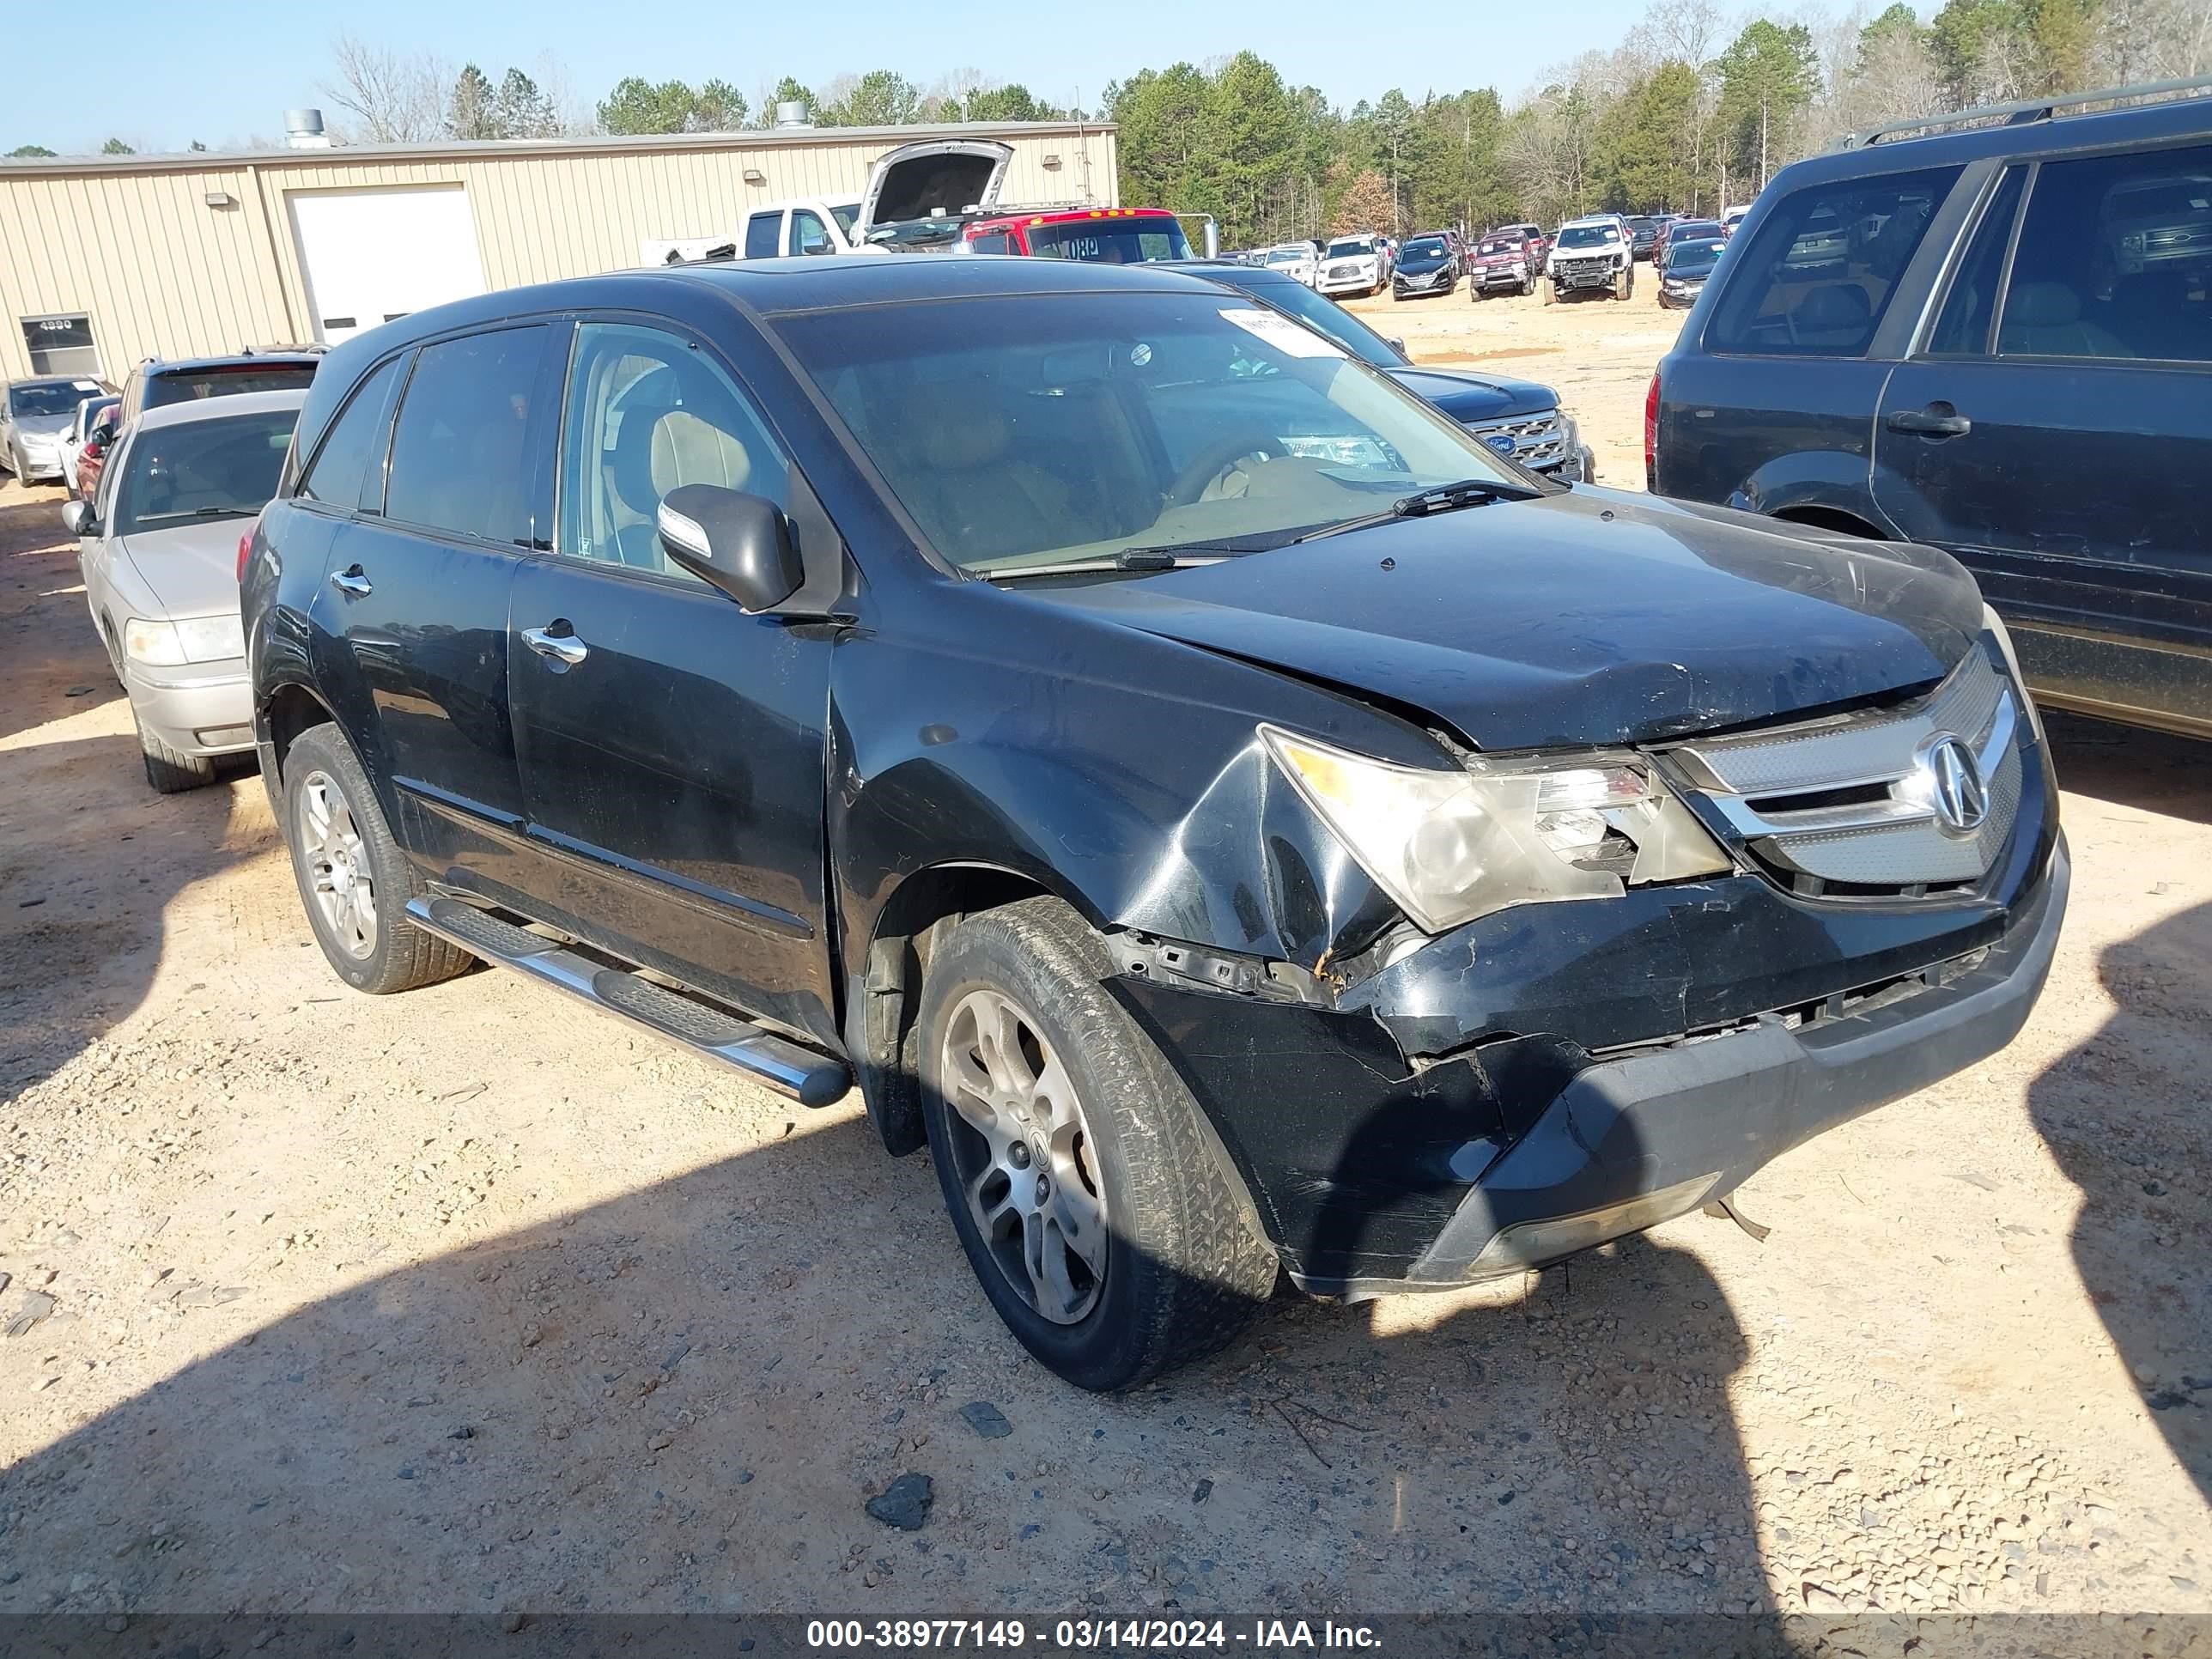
<point x="1500" y="246"/>
<point x="1118" y="242"/>
<point x="43" y="397"/>
<point x="221" y="468"/>
<point x="186" y="385"/>
<point x="1588" y="236"/>
<point x="847" y="214"/>
<point x="1356" y="248"/>
<point x="1697" y="255"/>
<point x="1025" y="432"/>
<point x="1288" y="256"/>
<point x="1425" y="245"/>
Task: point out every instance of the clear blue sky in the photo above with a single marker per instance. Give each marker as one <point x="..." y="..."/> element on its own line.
<point x="222" y="69"/>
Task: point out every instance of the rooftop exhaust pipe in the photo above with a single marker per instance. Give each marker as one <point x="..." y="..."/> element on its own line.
<point x="792" y="113"/>
<point x="303" y="130"/>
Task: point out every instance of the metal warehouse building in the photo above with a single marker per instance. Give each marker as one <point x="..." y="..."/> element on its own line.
<point x="107" y="260"/>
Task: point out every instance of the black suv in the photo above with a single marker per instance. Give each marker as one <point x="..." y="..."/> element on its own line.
<point x="160" y="381"/>
<point x="1998" y="341"/>
<point x="1237" y="822"/>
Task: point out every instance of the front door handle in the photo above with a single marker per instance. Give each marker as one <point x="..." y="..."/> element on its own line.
<point x="562" y="648"/>
<point x="1936" y="420"/>
<point x="351" y="581"/>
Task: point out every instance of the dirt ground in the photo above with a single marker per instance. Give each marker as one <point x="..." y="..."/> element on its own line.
<point x="465" y="1300"/>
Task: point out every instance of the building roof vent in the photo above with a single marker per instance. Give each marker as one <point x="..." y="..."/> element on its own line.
<point x="792" y="114"/>
<point x="303" y="130"/>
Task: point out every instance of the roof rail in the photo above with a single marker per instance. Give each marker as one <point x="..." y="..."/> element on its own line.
<point x="2029" y="110"/>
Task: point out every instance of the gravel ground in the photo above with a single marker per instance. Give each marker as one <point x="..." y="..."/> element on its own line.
<point x="465" y="1300"/>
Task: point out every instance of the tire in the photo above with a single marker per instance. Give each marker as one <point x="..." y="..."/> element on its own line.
<point x="170" y="771"/>
<point x="326" y="786"/>
<point x="1624" y="283"/>
<point x="1181" y="1264"/>
<point x="1551" y="291"/>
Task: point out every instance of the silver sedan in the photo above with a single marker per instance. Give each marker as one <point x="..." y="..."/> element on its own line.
<point x="158" y="546"/>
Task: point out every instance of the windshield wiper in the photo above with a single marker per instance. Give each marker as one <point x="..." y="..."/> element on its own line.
<point x="1444" y="498"/>
<point x="1139" y="559"/>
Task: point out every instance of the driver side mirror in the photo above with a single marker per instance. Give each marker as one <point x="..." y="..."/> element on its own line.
<point x="814" y="245"/>
<point x="80" y="517"/>
<point x="1397" y="343"/>
<point x="740" y="543"/>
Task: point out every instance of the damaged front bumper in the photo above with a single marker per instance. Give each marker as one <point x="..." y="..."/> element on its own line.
<point x="1421" y="1133"/>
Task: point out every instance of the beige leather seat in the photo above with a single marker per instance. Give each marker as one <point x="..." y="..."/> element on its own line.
<point x="2044" y="320"/>
<point x="974" y="499"/>
<point x="660" y="446"/>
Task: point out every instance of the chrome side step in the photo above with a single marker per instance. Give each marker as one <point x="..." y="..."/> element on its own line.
<point x="788" y="1067"/>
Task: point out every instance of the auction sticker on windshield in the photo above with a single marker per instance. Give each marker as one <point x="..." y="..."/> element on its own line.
<point x="1292" y="339"/>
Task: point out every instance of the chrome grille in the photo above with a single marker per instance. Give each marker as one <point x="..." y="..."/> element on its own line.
<point x="1538" y="440"/>
<point x="1853" y="799"/>
<point x="1580" y="268"/>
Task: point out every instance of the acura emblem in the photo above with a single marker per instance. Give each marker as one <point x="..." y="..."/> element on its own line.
<point x="1955" y="788"/>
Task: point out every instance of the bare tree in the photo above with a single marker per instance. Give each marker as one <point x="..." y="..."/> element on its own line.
<point x="2152" y="41"/>
<point x="387" y="97"/>
<point x="1686" y="29"/>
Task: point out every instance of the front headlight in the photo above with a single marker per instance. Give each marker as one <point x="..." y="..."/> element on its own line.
<point x="1994" y="625"/>
<point x="172" y="644"/>
<point x="1450" y="846"/>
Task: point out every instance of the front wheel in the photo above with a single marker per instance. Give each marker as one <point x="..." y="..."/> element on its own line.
<point x="1551" y="291"/>
<point x="1100" y="1214"/>
<point x="1624" y="283"/>
<point x="171" y="771"/>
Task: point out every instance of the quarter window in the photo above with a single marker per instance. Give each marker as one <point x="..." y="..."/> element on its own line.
<point x="459" y="461"/>
<point x="2115" y="260"/>
<point x="760" y="233"/>
<point x="341" y="466"/>
<point x="1816" y="277"/>
<point x="648" y="412"/>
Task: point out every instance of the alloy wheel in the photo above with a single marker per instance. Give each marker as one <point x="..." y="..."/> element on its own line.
<point x="338" y="874"/>
<point x="1024" y="1157"/>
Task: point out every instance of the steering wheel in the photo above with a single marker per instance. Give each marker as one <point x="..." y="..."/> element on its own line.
<point x="1190" y="484"/>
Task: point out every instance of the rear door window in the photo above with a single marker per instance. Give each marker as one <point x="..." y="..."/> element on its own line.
<point x="762" y="232"/>
<point x="459" y="459"/>
<point x="2115" y="261"/>
<point x="1970" y="309"/>
<point x="335" y="476"/>
<point x="1816" y="277"/>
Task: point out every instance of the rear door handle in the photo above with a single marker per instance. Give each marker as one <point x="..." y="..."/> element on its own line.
<point x="562" y="648"/>
<point x="351" y="581"/>
<point x="1936" y="420"/>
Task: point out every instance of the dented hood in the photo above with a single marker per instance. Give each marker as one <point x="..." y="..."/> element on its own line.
<point x="1591" y="617"/>
<point x="933" y="180"/>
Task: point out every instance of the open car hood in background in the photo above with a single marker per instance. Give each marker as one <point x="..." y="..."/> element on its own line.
<point x="933" y="180"/>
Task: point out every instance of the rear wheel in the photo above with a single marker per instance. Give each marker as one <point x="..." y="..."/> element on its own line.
<point x="1102" y="1219"/>
<point x="354" y="880"/>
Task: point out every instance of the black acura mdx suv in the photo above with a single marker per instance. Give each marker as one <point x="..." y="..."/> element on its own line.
<point x="1236" y="822"/>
